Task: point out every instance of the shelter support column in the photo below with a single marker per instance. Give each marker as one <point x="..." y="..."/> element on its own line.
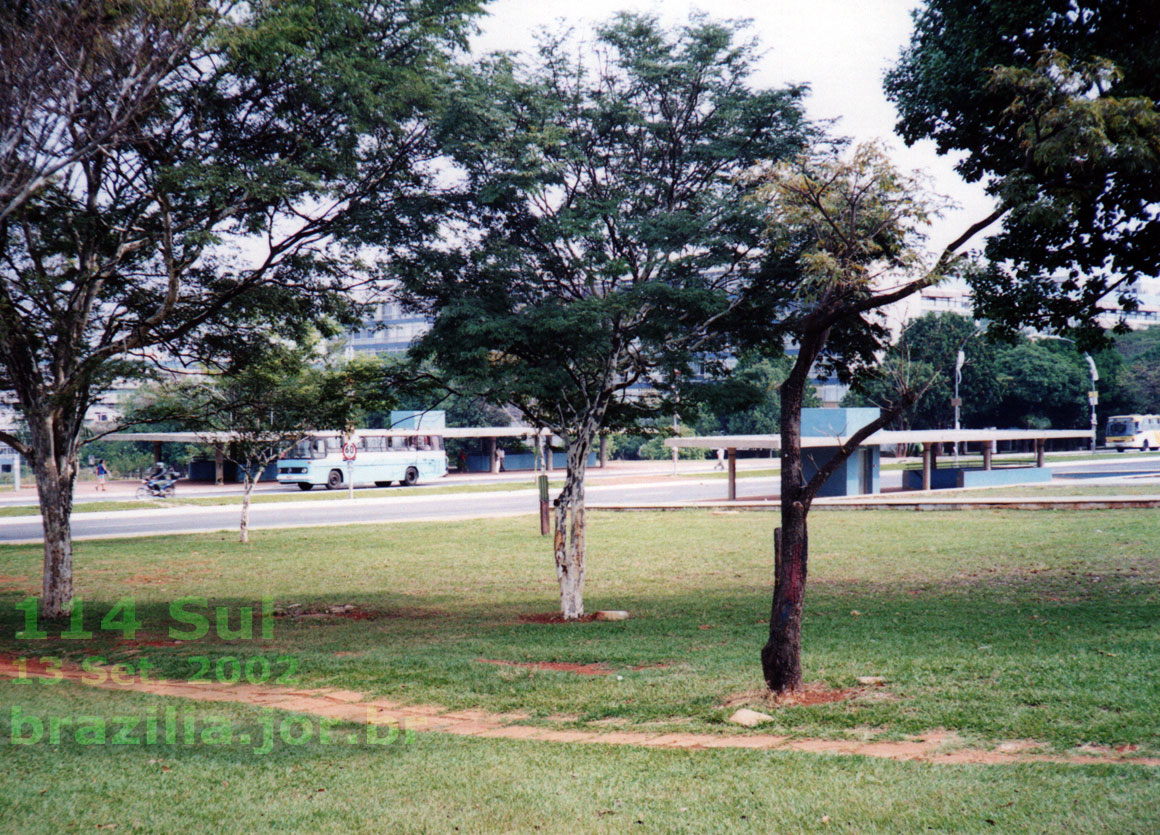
<point x="219" y="463"/>
<point x="927" y="462"/>
<point x="1040" y="447"/>
<point x="157" y="452"/>
<point x="986" y="455"/>
<point x="492" y="456"/>
<point x="732" y="475"/>
<point x="603" y="451"/>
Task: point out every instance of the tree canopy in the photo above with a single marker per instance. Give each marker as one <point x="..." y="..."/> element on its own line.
<point x="598" y="227"/>
<point x="175" y="181"/>
<point x="1053" y="104"/>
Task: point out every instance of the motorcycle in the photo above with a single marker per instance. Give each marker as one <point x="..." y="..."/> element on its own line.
<point x="160" y="485"/>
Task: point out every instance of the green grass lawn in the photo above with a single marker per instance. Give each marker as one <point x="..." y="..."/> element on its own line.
<point x="996" y="625"/>
<point x="439" y="783"/>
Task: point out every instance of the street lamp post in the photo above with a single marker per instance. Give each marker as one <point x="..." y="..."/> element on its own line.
<point x="1093" y="395"/>
<point x="960" y="360"/>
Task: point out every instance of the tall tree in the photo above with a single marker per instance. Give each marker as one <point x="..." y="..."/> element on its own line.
<point x="1024" y="383"/>
<point x="265" y="405"/>
<point x="1053" y="104"/>
<point x="848" y="233"/>
<point x="599" y="230"/>
<point x="171" y="169"/>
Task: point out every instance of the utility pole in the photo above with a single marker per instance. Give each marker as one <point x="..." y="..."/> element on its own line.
<point x="960" y="361"/>
<point x="1093" y="396"/>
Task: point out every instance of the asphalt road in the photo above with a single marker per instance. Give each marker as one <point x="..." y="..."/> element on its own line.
<point x="417" y="504"/>
<point x="410" y="504"/>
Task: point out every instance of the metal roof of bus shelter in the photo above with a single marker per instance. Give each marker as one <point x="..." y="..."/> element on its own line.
<point x="226" y="437"/>
<point x="884" y="437"/>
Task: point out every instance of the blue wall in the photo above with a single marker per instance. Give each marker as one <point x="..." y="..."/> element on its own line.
<point x="847" y="479"/>
<point x="836" y="422"/>
<point x="479" y="463"/>
<point x="946" y="478"/>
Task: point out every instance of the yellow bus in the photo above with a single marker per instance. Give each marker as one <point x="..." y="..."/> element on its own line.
<point x="1133" y="432"/>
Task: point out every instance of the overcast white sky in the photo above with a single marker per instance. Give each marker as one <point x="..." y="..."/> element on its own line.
<point x="841" y="48"/>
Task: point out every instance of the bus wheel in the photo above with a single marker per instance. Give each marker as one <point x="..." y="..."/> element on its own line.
<point x="411" y="477"/>
<point x="304" y="485"/>
<point x="334" y="480"/>
<point x="382" y="484"/>
<point x="1145" y="447"/>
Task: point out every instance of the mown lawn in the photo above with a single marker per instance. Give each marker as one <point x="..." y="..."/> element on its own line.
<point x="437" y="783"/>
<point x="997" y="625"/>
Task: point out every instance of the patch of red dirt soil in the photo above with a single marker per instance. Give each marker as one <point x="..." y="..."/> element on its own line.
<point x="813" y="693"/>
<point x="558" y="666"/>
<point x="555" y="617"/>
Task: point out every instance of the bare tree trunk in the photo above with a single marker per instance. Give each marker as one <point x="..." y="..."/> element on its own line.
<point x="54" y="462"/>
<point x="781" y="656"/>
<point x="244" y="530"/>
<point x="570" y="546"/>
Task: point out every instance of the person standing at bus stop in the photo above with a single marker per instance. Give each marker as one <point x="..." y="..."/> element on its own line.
<point x="102" y="475"/>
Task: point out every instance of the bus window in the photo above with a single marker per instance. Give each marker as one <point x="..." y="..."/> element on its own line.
<point x="1121" y="427"/>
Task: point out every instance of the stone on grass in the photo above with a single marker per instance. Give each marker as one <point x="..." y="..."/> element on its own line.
<point x="749" y="718"/>
<point x="871" y="680"/>
<point x="612" y="614"/>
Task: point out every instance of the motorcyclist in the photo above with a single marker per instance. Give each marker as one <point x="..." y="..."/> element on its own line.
<point x="161" y="478"/>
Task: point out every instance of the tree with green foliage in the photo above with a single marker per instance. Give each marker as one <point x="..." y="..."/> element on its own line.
<point x="748" y="400"/>
<point x="1020" y="382"/>
<point x="846" y="236"/>
<point x="597" y="231"/>
<point x="1138" y="377"/>
<point x="174" y="180"/>
<point x="928" y="347"/>
<point x="1054" y="105"/>
<point x="261" y="408"/>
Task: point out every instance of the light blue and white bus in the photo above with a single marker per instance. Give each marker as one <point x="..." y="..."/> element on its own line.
<point x="383" y="456"/>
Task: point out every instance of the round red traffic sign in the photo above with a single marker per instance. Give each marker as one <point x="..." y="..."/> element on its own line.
<point x="349" y="451"/>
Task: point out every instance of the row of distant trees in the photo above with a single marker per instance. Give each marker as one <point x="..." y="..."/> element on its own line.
<point x="1014" y="382"/>
<point x="207" y="183"/>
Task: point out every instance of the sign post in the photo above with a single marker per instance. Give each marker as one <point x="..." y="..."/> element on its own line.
<point x="545" y="515"/>
<point x="349" y="453"/>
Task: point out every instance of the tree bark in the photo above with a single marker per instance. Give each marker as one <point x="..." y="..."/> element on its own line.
<point x="781" y="655"/>
<point x="244" y="527"/>
<point x="570" y="545"/>
<point x="54" y="462"/>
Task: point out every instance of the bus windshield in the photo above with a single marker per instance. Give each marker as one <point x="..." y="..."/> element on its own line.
<point x="307" y="448"/>
<point x="1120" y="427"/>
